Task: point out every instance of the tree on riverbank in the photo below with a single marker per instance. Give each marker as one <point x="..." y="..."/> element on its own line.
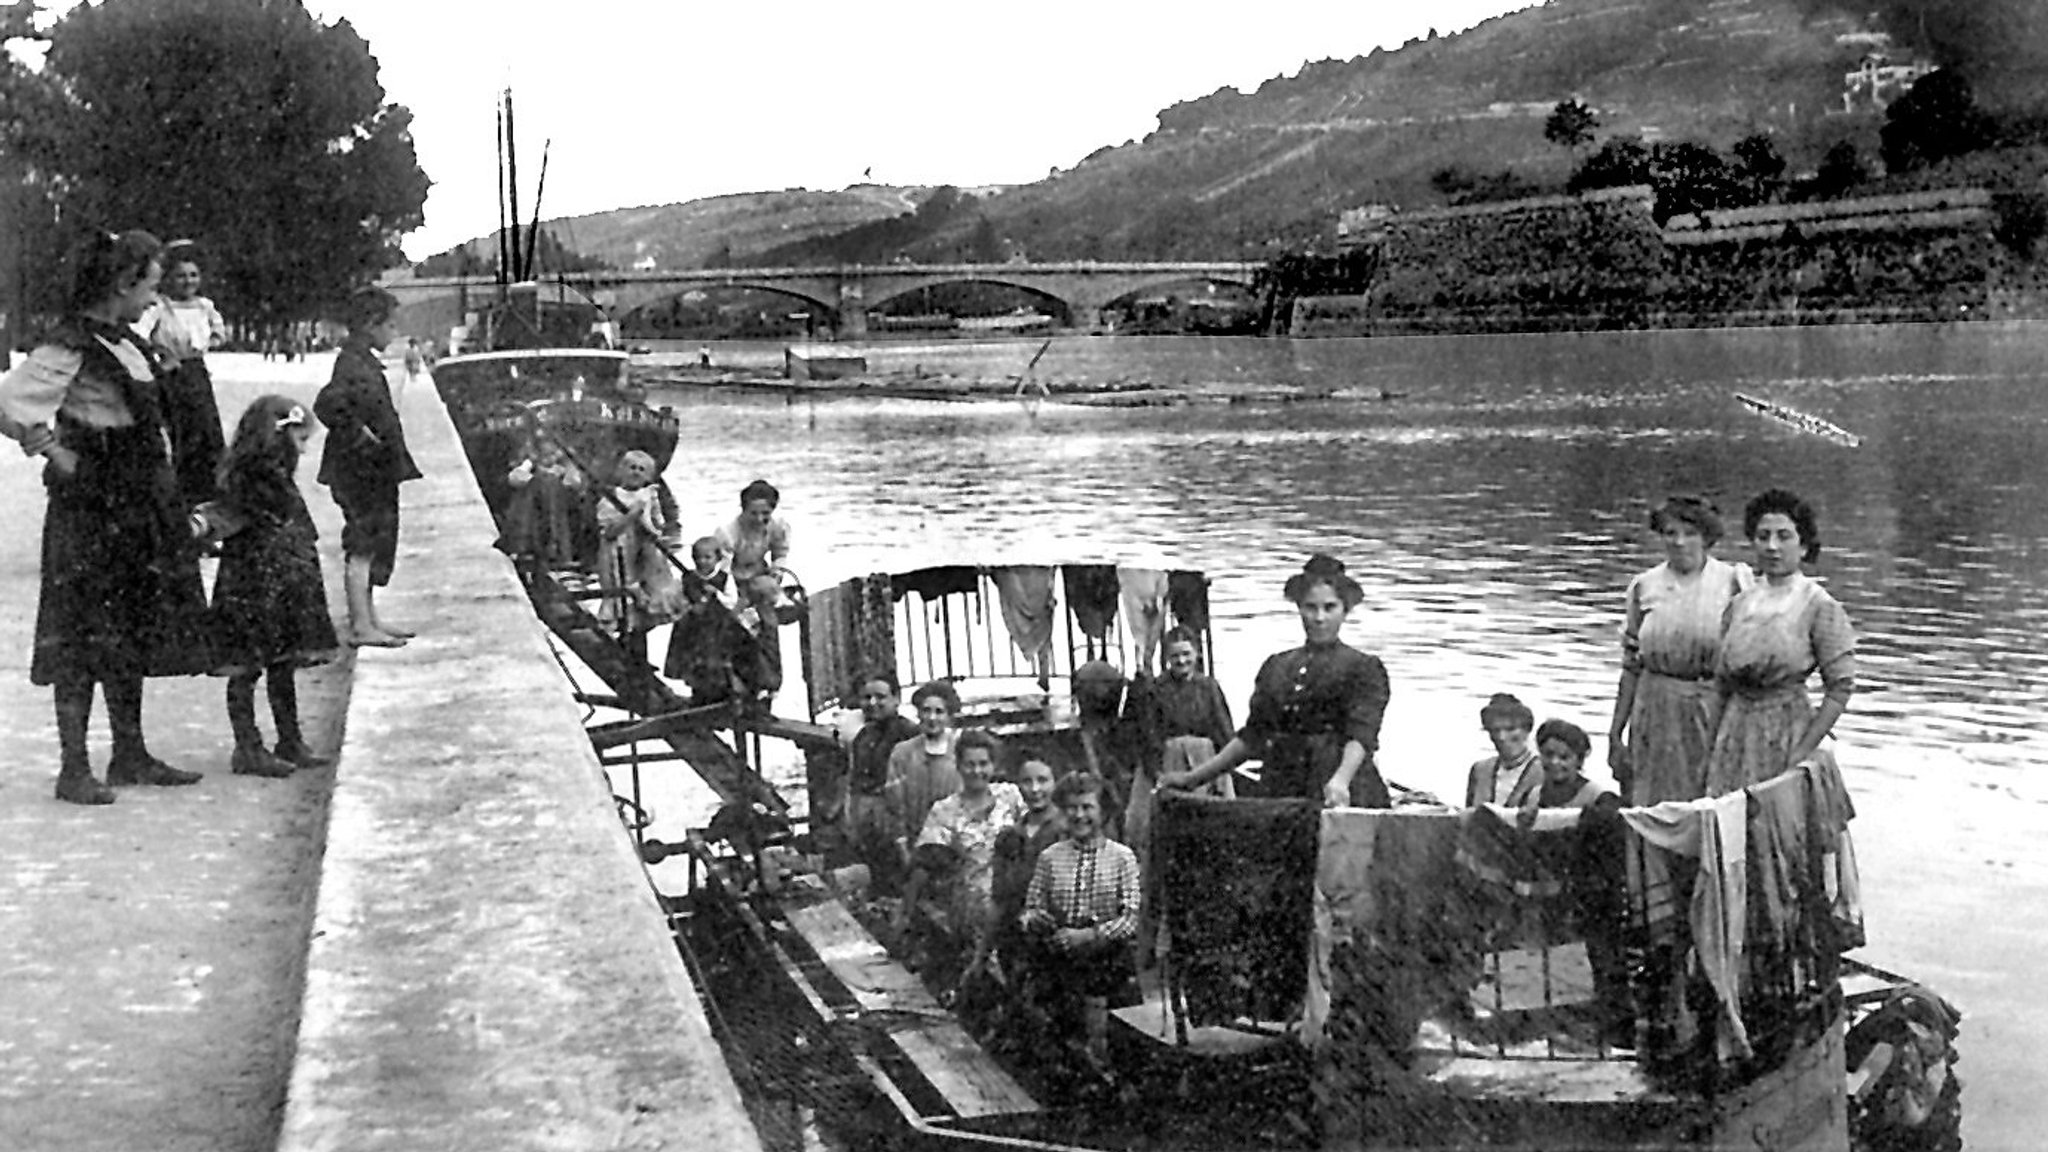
<point x="248" y="125"/>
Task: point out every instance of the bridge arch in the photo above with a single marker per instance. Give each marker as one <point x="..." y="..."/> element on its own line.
<point x="898" y="289"/>
<point x="825" y="313"/>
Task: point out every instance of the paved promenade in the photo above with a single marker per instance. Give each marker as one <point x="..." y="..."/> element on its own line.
<point x="487" y="966"/>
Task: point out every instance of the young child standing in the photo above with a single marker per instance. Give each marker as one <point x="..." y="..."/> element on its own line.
<point x="269" y="604"/>
<point x="710" y="580"/>
<point x="364" y="462"/>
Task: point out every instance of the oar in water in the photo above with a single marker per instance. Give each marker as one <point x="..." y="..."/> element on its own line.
<point x="1026" y="375"/>
<point x="1801" y="421"/>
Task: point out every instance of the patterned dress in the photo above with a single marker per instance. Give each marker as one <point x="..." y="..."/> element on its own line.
<point x="1776" y="636"/>
<point x="269" y="603"/>
<point x="955" y="823"/>
<point x="1670" y="639"/>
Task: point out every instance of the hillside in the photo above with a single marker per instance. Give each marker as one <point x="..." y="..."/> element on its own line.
<point x="737" y="227"/>
<point x="1248" y="174"/>
<point x="1253" y="174"/>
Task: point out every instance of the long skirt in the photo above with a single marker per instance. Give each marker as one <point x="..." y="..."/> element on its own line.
<point x="119" y="600"/>
<point x="1670" y="736"/>
<point x="192" y="420"/>
<point x="1755" y="737"/>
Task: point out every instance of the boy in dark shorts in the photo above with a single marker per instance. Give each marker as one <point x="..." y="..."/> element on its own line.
<point x="364" y="462"/>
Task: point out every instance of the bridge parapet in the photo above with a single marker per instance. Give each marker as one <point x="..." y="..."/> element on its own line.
<point x="847" y="291"/>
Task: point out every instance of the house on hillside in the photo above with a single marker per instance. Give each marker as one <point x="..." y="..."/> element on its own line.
<point x="1876" y="81"/>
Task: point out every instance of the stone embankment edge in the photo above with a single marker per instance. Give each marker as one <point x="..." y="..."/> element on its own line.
<point x="489" y="967"/>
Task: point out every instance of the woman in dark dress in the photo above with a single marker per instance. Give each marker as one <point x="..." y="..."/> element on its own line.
<point x="121" y="597"/>
<point x="1315" y="711"/>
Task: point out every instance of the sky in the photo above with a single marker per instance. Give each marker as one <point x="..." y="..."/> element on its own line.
<point x="660" y="101"/>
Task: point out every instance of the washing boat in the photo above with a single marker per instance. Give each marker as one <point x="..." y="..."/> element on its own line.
<point x="1405" y="996"/>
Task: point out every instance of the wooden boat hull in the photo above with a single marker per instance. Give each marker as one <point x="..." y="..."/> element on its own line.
<point x="583" y="399"/>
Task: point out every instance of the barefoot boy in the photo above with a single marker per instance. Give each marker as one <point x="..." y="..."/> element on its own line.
<point x="364" y="462"/>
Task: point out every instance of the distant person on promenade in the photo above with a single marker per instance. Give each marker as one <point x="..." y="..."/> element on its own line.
<point x="121" y="595"/>
<point x="364" y="462"/>
<point x="269" y="602"/>
<point x="1667" y="705"/>
<point x="184" y="326"/>
<point x="415" y="360"/>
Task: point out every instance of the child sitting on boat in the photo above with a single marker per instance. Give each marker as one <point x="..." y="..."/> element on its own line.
<point x="1590" y="864"/>
<point x="1563" y="747"/>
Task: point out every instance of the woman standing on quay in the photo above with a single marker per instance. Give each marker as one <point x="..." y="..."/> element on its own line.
<point x="121" y="596"/>
<point x="184" y="326"/>
<point x="1668" y="704"/>
<point x="1776" y="634"/>
<point x="1315" y="710"/>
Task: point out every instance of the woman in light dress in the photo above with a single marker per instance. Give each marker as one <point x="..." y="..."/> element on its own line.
<point x="1776" y="634"/>
<point x="1669" y="704"/>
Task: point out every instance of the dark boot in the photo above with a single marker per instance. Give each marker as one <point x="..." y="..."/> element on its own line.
<point x="132" y="763"/>
<point x="284" y="712"/>
<point x="250" y="758"/>
<point x="75" y="782"/>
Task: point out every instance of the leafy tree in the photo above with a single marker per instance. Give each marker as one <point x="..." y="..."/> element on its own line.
<point x="941" y="204"/>
<point x="1841" y="170"/>
<point x="1692" y="177"/>
<point x="247" y="125"/>
<point x="1621" y="161"/>
<point x="1760" y="168"/>
<point x="1936" y="119"/>
<point x="984" y="246"/>
<point x="1570" y="124"/>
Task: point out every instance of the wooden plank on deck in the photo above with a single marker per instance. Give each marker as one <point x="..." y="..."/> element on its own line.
<point x="971" y="1082"/>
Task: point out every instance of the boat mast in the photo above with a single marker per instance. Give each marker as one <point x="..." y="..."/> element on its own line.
<point x="512" y="182"/>
<point x="504" y="253"/>
<point x="533" y="228"/>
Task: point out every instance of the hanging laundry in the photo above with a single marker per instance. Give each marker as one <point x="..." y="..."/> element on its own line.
<point x="1394" y="935"/>
<point x="1091" y="596"/>
<point x="1145" y="596"/>
<point x="933" y="583"/>
<point x="1187" y="595"/>
<point x="1829" y="809"/>
<point x="833" y="651"/>
<point x="1235" y="884"/>
<point x="1025" y="591"/>
<point x="1716" y="831"/>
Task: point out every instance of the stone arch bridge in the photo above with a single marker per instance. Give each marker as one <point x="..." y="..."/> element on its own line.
<point x="845" y="293"/>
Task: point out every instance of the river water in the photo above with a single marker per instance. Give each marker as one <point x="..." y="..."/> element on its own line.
<point x="1493" y="507"/>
